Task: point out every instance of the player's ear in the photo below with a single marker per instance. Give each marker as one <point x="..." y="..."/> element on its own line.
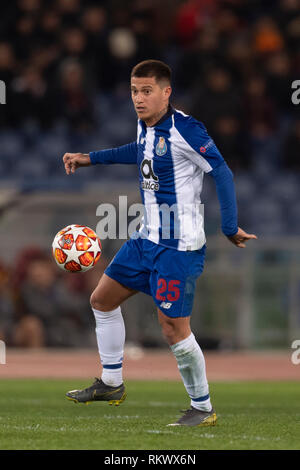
<point x="167" y="91"/>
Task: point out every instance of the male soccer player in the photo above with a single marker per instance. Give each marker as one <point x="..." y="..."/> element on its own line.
<point x="166" y="256"/>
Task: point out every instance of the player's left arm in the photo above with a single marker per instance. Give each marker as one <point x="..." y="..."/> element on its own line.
<point x="205" y="154"/>
<point x="223" y="178"/>
<point x="241" y="237"/>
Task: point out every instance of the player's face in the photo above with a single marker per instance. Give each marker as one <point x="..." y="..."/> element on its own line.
<point x="150" y="98"/>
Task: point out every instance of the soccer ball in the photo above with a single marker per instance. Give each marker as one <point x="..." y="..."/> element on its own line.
<point x="76" y="248"/>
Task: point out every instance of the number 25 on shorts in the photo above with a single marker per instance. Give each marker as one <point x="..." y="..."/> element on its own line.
<point x="173" y="292"/>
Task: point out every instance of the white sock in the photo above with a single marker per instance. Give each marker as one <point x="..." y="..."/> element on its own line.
<point x="191" y="365"/>
<point x="110" y="332"/>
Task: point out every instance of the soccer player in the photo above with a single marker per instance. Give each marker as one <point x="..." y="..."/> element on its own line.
<point x="166" y="256"/>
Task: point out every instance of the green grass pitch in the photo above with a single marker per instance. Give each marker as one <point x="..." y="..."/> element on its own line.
<point x="35" y="415"/>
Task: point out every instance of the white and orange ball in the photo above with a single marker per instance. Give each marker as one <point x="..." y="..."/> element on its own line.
<point x="76" y="248"/>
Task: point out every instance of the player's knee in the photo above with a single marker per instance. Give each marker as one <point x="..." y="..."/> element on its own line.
<point x="169" y="331"/>
<point x="98" y="302"/>
<point x="174" y="330"/>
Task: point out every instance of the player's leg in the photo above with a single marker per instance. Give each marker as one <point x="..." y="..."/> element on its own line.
<point x="191" y="365"/>
<point x="106" y="303"/>
<point x="174" y="329"/>
<point x="122" y="278"/>
<point x="190" y="359"/>
<point x="110" y="332"/>
<point x="173" y="287"/>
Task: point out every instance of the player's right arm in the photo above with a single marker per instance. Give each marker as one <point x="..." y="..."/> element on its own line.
<point x="72" y="161"/>
<point x="126" y="154"/>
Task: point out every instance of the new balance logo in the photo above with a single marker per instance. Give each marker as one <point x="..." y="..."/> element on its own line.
<point x="166" y="305"/>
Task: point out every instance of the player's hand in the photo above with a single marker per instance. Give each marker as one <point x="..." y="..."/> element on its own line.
<point x="241" y="237"/>
<point x="72" y="161"/>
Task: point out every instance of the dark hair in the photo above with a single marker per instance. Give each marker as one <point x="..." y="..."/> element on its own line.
<point x="152" y="68"/>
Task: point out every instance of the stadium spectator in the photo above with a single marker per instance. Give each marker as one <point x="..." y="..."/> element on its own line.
<point x="259" y="110"/>
<point x="192" y="15"/>
<point x="232" y="38"/>
<point x="290" y="150"/>
<point x="216" y="97"/>
<point x="51" y="309"/>
<point x="31" y="99"/>
<point x="75" y="103"/>
<point x="240" y="58"/>
<point x="95" y="26"/>
<point x="267" y="37"/>
<point x="48" y="27"/>
<point x="230" y="137"/>
<point x="7" y="62"/>
<point x="203" y="53"/>
<point x="7" y="305"/>
<point x="279" y="78"/>
<point x="69" y="10"/>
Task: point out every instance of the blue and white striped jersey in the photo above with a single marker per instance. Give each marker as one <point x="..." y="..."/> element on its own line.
<point x="172" y="157"/>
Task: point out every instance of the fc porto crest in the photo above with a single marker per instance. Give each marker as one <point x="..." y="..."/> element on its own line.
<point x="161" y="147"/>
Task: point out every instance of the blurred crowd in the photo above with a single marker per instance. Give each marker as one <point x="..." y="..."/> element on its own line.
<point x="233" y="63"/>
<point x="41" y="306"/>
<point x="66" y="65"/>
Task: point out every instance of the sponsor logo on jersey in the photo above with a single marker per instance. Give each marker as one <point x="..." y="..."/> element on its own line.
<point x="150" y="178"/>
<point x="166" y="305"/>
<point x="205" y="147"/>
<point x="161" y="147"/>
<point x="150" y="185"/>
